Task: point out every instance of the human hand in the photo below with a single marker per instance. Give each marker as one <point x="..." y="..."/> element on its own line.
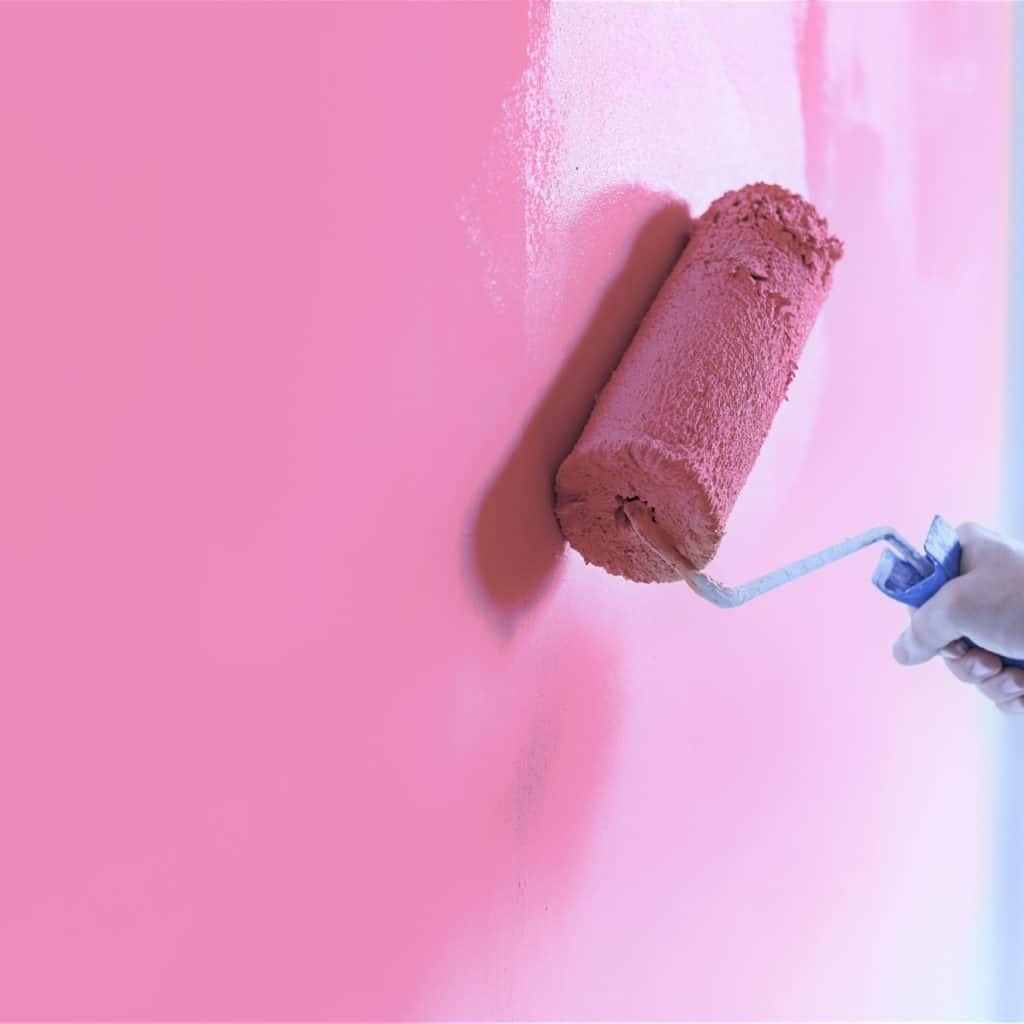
<point x="986" y="603"/>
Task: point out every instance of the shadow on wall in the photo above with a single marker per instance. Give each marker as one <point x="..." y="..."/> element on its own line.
<point x="516" y="542"/>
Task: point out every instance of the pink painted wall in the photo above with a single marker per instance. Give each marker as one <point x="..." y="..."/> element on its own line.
<point x="307" y="710"/>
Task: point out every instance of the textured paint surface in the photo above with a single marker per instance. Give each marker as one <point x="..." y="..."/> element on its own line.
<point x="682" y="419"/>
<point x="308" y="711"/>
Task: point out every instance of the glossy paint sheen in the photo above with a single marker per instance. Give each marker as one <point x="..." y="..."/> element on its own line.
<point x="308" y="711"/>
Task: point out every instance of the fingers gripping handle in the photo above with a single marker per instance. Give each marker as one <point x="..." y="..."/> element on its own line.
<point x="902" y="581"/>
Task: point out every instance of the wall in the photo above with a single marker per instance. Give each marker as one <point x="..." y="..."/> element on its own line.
<point x="1009" y="823"/>
<point x="308" y="712"/>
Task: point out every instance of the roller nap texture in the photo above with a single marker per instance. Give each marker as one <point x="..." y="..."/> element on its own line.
<point x="681" y="421"/>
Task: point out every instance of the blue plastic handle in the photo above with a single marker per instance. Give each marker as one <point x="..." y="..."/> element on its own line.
<point x="913" y="584"/>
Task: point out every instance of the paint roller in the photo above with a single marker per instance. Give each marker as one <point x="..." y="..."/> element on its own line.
<point x="646" y="490"/>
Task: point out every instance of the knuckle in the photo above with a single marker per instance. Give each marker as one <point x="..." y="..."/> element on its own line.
<point x="976" y="542"/>
<point x="988" y="662"/>
<point x="974" y="537"/>
<point x="992" y="691"/>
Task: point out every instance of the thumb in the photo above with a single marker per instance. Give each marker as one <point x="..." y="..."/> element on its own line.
<point x="931" y="627"/>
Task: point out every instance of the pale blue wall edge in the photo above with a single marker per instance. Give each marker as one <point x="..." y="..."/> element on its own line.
<point x="1008" y="845"/>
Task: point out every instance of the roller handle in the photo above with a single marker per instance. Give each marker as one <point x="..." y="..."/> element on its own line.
<point x="914" y="582"/>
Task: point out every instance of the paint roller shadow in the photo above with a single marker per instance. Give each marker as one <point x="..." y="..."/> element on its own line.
<point x="516" y="542"/>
